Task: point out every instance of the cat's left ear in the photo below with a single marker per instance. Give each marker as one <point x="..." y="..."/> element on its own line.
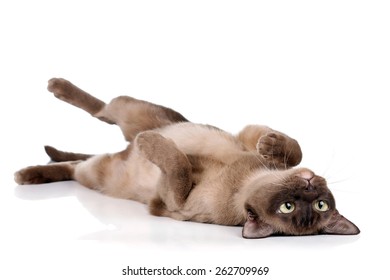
<point x="340" y="225"/>
<point x="254" y="228"/>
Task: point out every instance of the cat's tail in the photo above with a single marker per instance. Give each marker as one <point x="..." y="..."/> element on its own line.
<point x="60" y="156"/>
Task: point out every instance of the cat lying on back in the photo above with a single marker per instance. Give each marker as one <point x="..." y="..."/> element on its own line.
<point x="196" y="172"/>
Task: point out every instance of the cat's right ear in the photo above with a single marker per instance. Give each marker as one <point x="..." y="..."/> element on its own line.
<point x="254" y="228"/>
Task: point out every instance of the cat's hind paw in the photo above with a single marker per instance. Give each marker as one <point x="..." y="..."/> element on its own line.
<point x="29" y="175"/>
<point x="41" y="174"/>
<point x="61" y="88"/>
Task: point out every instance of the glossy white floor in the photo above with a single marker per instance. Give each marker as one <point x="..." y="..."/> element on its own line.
<point x="317" y="73"/>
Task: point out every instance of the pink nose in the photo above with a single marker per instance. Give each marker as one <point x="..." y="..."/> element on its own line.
<point x="306" y="174"/>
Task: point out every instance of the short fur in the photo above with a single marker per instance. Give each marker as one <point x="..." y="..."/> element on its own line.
<point x="197" y="172"/>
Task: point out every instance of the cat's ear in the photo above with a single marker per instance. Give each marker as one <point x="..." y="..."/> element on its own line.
<point x="340" y="225"/>
<point x="254" y="228"/>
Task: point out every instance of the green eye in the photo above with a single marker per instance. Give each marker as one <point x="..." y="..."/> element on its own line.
<point x="321" y="206"/>
<point x="286" y="207"/>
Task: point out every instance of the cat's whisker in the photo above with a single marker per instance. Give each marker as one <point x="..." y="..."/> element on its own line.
<point x="286" y="157"/>
<point x="258" y="157"/>
<point x="336" y="185"/>
<point x="337" y="181"/>
<point x="334" y="178"/>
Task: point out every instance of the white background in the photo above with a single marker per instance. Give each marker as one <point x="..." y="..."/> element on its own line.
<point x="316" y="70"/>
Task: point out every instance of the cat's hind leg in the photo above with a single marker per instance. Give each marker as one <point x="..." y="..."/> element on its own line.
<point x="134" y="116"/>
<point x="61" y="156"/>
<point x="42" y="174"/>
<point x="130" y="114"/>
<point x="61" y="170"/>
<point x="66" y="91"/>
<point x="176" y="179"/>
<point x="105" y="173"/>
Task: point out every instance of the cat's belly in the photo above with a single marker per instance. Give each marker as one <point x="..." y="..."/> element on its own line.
<point x="140" y="179"/>
<point x="199" y="208"/>
<point x="196" y="139"/>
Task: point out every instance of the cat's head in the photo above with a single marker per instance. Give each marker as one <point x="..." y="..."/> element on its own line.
<point x="292" y="202"/>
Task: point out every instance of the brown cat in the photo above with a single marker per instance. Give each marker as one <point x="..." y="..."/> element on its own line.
<point x="197" y="172"/>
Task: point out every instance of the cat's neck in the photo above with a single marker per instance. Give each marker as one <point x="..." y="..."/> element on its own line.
<point x="244" y="191"/>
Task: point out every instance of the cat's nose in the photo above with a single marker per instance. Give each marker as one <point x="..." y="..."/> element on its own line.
<point x="306" y="174"/>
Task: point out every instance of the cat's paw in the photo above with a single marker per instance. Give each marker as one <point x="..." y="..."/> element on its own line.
<point x="279" y="149"/>
<point x="29" y="175"/>
<point x="158" y="149"/>
<point x="162" y="151"/>
<point x="151" y="143"/>
<point x="41" y="174"/>
<point x="271" y="146"/>
<point x="61" y="88"/>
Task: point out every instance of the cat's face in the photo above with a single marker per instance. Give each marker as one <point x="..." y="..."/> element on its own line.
<point x="293" y="202"/>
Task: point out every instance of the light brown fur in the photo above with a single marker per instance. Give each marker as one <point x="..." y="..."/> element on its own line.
<point x="196" y="172"/>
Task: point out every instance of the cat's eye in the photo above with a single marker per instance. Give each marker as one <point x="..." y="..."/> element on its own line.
<point x="286" y="208"/>
<point x="321" y="205"/>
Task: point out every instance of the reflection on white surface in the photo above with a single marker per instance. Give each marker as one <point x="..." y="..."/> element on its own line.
<point x="128" y="222"/>
<point x="59" y="221"/>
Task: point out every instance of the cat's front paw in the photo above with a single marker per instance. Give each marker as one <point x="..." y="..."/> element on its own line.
<point x="272" y="146"/>
<point x="279" y="149"/>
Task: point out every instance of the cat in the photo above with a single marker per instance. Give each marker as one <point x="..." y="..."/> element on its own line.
<point x="195" y="172"/>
